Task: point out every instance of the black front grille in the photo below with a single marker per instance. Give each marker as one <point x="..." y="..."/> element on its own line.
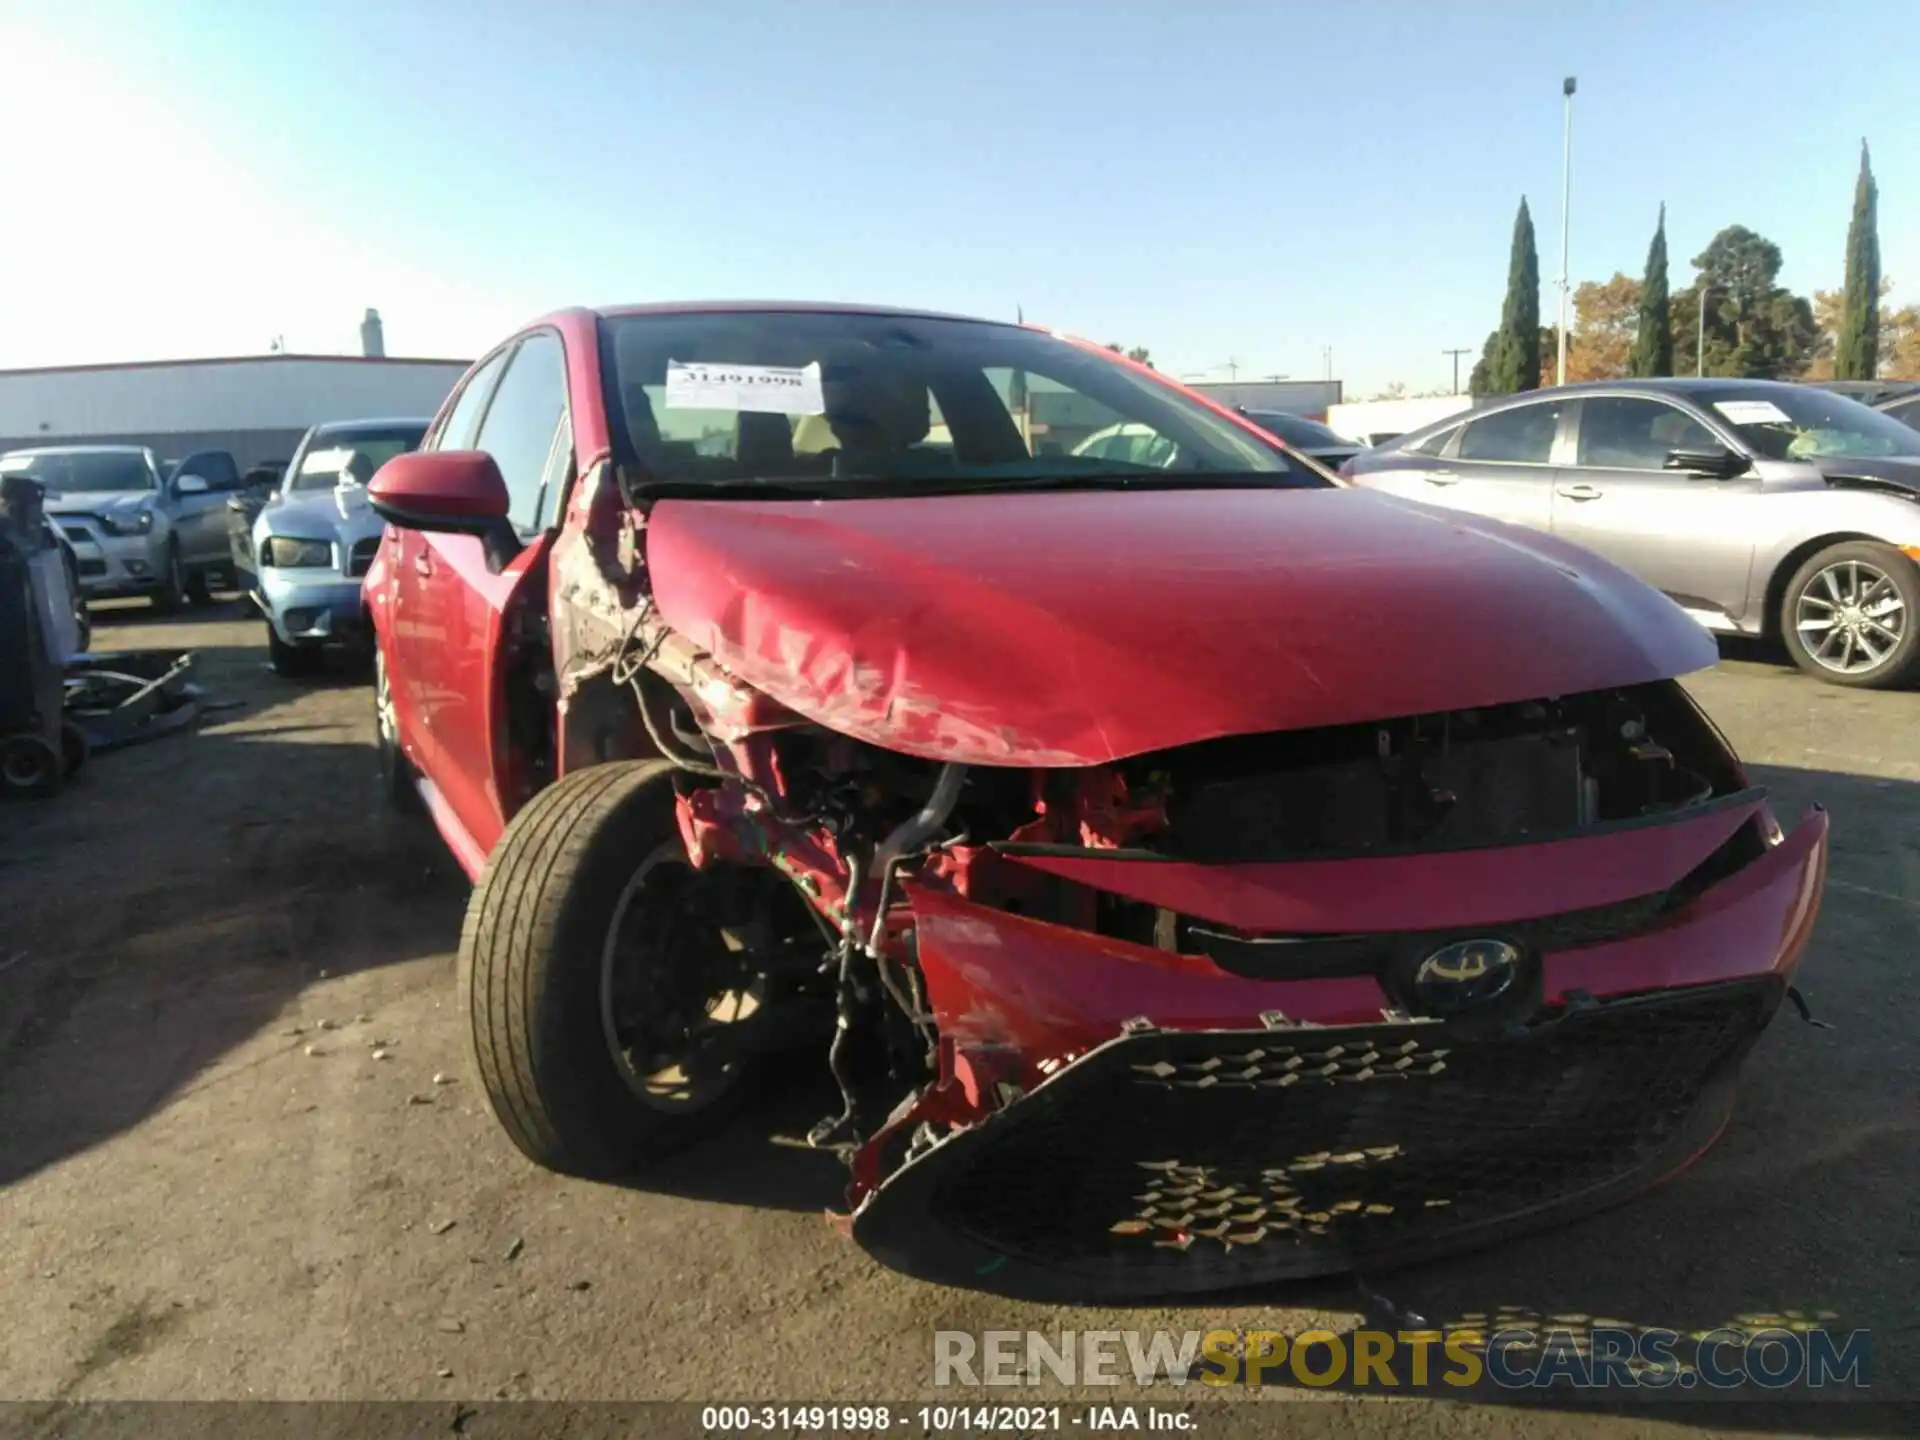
<point x="77" y="532"/>
<point x="362" y="558"/>
<point x="91" y="568"/>
<point x="1173" y="1161"/>
<point x="1387" y="954"/>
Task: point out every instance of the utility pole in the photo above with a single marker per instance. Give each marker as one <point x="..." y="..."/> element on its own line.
<point x="1456" y="354"/>
<point x="1567" y="88"/>
<point x="1700" y="333"/>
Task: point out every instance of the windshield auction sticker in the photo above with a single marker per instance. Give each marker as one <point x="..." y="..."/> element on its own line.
<point x="775" y="389"/>
<point x="1753" y="412"/>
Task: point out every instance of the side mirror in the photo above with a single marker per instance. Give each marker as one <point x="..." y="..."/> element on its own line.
<point x="455" y="492"/>
<point x="1717" y="463"/>
<point x="190" y="485"/>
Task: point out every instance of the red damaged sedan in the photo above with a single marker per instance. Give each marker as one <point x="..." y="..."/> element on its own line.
<point x="1192" y="871"/>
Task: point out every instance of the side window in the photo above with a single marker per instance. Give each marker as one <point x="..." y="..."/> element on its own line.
<point x="521" y="421"/>
<point x="1522" y="435"/>
<point x="457" y="433"/>
<point x="1432" y="445"/>
<point x="1627" y="434"/>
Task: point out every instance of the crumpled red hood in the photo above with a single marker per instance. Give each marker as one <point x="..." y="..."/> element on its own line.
<point x="1079" y="627"/>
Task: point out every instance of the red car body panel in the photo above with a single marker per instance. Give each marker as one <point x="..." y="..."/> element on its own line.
<point x="1427" y="890"/>
<point x="1080" y="628"/>
<point x="1072" y="629"/>
<point x="1018" y="995"/>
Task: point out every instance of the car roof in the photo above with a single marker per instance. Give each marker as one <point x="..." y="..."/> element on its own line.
<point x="1670" y="384"/>
<point x="361" y="427"/>
<point x="79" y="450"/>
<point x="804" y="307"/>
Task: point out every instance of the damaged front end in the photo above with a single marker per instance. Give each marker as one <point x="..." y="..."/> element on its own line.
<point x="1259" y="1007"/>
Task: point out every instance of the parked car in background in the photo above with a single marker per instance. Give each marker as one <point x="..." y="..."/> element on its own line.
<point x="1763" y="508"/>
<point x="1176" y="860"/>
<point x="314" y="537"/>
<point x="1877" y="393"/>
<point x="1903" y="405"/>
<point x="135" y="530"/>
<point x="1309" y="437"/>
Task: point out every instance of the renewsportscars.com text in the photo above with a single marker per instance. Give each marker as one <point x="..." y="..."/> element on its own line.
<point x="1599" y="1357"/>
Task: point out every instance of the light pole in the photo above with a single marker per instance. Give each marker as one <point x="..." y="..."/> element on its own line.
<point x="1567" y="88"/>
<point x="1700" y="333"/>
<point x="1456" y="354"/>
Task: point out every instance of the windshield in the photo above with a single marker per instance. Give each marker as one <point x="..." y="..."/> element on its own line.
<point x="353" y="457"/>
<point x="1792" y="423"/>
<point x="1297" y="430"/>
<point x="833" y="401"/>
<point x="69" y="472"/>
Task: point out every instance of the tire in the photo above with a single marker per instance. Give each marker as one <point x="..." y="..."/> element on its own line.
<point x="534" y="956"/>
<point x="30" y="765"/>
<point x="396" y="771"/>
<point x="198" y="589"/>
<point x="172" y="593"/>
<point x="293" y="662"/>
<point x="74" y="748"/>
<point x="1862" y="587"/>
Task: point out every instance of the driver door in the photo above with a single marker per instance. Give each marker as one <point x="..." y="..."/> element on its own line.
<point x="452" y="605"/>
<point x="200" y="516"/>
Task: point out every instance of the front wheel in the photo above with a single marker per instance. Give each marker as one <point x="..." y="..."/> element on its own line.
<point x="1851" y="616"/>
<point x="292" y="662"/>
<point x="396" y="771"/>
<point x="172" y="593"/>
<point x="615" y="1006"/>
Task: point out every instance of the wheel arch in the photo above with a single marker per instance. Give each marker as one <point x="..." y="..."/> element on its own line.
<point x="1789" y="563"/>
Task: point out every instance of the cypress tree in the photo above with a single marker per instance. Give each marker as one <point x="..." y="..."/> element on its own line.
<point x="1856" y="355"/>
<point x="1653" y="346"/>
<point x="1516" y="354"/>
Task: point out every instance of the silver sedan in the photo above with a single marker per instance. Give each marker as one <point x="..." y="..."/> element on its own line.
<point x="1762" y="508"/>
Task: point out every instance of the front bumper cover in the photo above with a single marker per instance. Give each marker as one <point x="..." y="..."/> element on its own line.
<point x="1123" y="1130"/>
<point x="1175" y="1162"/>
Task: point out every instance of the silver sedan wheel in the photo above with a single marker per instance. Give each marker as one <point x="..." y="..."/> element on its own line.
<point x="1850" y="617"/>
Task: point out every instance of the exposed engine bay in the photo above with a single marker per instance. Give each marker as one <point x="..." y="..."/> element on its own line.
<point x="853" y="827"/>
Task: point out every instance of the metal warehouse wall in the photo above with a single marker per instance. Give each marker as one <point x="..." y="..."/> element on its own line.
<point x="179" y="406"/>
<point x="1291" y="397"/>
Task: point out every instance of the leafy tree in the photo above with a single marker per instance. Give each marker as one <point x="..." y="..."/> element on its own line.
<point x="1828" y="310"/>
<point x="1481" y="378"/>
<point x="1653" y="338"/>
<point x="1756" y="329"/>
<point x="1512" y="359"/>
<point x="1857" y="350"/>
<point x="1606" y="321"/>
<point x="1138" y="354"/>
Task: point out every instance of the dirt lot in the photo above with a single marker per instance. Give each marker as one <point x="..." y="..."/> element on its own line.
<point x="212" y="1186"/>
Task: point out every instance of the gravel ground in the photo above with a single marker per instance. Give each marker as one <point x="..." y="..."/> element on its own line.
<point x="242" y="1155"/>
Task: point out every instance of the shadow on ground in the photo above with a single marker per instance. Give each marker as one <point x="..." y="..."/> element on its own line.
<point x="170" y="906"/>
<point x="177" y="895"/>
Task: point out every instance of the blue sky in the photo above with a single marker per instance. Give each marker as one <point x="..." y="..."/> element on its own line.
<point x="1215" y="181"/>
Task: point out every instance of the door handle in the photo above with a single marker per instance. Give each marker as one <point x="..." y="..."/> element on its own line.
<point x="1579" y="492"/>
<point x="423" y="564"/>
<point x="1441" y="477"/>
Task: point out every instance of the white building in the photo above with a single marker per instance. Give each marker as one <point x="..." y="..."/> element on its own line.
<point x="257" y="406"/>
